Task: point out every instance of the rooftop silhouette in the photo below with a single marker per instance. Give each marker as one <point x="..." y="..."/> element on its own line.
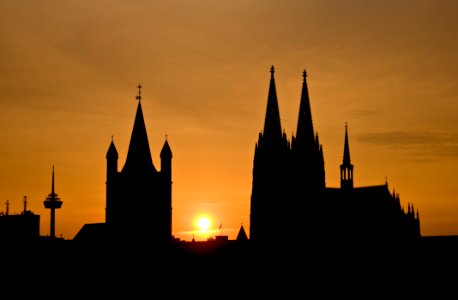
<point x="327" y="226"/>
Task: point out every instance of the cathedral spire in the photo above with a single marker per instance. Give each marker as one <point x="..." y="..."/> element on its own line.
<point x="305" y="132"/>
<point x="272" y="125"/>
<point x="139" y="154"/>
<point x="346" y="155"/>
<point x="346" y="168"/>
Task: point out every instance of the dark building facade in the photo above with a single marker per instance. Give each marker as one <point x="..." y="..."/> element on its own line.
<point x="139" y="197"/>
<point x="24" y="226"/>
<point x="290" y="199"/>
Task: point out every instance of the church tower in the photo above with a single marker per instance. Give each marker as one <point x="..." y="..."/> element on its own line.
<point x="138" y="198"/>
<point x="346" y="168"/>
<point x="308" y="169"/>
<point x="290" y="200"/>
<point x="270" y="170"/>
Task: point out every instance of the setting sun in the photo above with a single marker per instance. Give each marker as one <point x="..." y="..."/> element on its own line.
<point x="203" y="223"/>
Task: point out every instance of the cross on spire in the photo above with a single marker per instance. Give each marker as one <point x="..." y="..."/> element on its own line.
<point x="139" y="96"/>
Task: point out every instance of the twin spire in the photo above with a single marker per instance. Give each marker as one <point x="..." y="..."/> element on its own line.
<point x="305" y="133"/>
<point x="272" y="124"/>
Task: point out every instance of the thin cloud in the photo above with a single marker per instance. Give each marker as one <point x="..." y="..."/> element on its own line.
<point x="365" y="112"/>
<point x="208" y="204"/>
<point x="418" y="143"/>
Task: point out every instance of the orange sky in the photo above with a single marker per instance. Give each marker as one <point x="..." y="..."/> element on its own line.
<point x="69" y="71"/>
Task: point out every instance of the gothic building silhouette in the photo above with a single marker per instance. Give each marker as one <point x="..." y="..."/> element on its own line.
<point x="138" y="197"/>
<point x="290" y="199"/>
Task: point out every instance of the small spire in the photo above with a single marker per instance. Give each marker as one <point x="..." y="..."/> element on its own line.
<point x="139" y="96"/>
<point x="346" y="156"/>
<point x="166" y="152"/>
<point x="304" y="74"/>
<point x="272" y="70"/>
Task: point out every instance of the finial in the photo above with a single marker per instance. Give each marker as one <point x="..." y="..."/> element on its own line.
<point x="139" y="97"/>
<point x="304" y="73"/>
<point x="346" y="125"/>
<point x="272" y="70"/>
<point x="166" y="137"/>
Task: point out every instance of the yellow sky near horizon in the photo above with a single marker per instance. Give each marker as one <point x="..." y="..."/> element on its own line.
<point x="69" y="72"/>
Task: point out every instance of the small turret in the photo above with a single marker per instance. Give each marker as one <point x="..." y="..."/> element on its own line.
<point x="166" y="152"/>
<point x="166" y="159"/>
<point x="241" y="236"/>
<point x="346" y="168"/>
<point x="112" y="160"/>
<point x="166" y="173"/>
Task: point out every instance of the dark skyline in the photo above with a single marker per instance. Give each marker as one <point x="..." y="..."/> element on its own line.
<point x="387" y="69"/>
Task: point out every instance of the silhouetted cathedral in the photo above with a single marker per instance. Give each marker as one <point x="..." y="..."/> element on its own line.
<point x="138" y="197"/>
<point x="290" y="200"/>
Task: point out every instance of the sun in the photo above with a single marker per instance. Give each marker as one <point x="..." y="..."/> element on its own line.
<point x="203" y="223"/>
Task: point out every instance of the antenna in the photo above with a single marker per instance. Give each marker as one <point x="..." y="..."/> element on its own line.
<point x="25" y="205"/>
<point x="7" y="207"/>
<point x="52" y="202"/>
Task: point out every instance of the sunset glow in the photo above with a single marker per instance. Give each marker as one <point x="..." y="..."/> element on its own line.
<point x="68" y="85"/>
<point x="203" y="223"/>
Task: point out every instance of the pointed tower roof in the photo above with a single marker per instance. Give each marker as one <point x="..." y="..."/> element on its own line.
<point x="139" y="154"/>
<point x="241" y="236"/>
<point x="346" y="154"/>
<point x="305" y="132"/>
<point x="112" y="152"/>
<point x="166" y="152"/>
<point x="272" y="124"/>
